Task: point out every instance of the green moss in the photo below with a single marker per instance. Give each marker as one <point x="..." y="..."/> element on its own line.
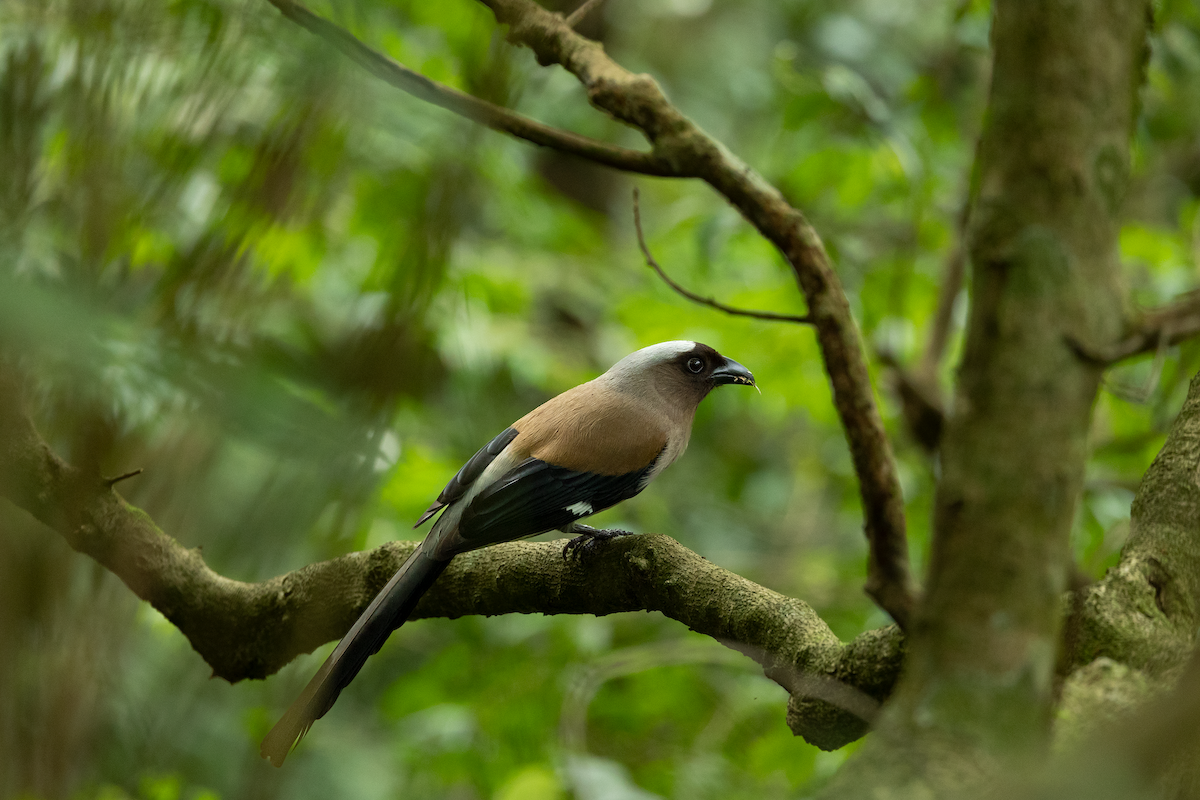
<point x="1095" y="696"/>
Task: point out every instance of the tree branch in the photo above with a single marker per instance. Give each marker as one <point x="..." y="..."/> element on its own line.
<point x="1145" y="611"/>
<point x="123" y="477"/>
<point x="1158" y="328"/>
<point x="584" y="9"/>
<point x="250" y="630"/>
<point x="920" y="401"/>
<point x="695" y="298"/>
<point x="638" y="101"/>
<point x="493" y="116"/>
<point x="948" y="292"/>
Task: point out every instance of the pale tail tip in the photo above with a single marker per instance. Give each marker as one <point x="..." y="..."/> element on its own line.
<point x="276" y="746"/>
<point x="273" y="752"/>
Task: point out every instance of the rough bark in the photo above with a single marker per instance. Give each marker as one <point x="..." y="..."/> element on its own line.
<point x="978" y="685"/>
<point x="1145" y="612"/>
<point x="1132" y="633"/>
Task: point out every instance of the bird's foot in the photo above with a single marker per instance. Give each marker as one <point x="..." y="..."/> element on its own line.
<point x="585" y="541"/>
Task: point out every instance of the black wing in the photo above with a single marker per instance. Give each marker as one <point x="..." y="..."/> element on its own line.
<point x="535" y="497"/>
<point x="469" y="473"/>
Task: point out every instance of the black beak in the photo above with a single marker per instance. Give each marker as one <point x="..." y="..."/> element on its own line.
<point x="732" y="372"/>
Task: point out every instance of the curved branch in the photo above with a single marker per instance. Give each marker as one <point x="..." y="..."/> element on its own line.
<point x="638" y="101"/>
<point x="250" y="630"/>
<point x="493" y="116"/>
<point x="769" y="316"/>
<point x="1158" y="328"/>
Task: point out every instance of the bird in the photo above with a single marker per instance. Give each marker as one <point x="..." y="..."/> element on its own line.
<point x="580" y="452"/>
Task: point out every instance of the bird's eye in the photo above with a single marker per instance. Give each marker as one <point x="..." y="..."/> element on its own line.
<point x="695" y="365"/>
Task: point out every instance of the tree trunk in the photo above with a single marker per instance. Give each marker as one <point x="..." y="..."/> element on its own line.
<point x="1053" y="163"/>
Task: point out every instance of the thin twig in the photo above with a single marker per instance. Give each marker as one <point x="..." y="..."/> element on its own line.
<point x="918" y="388"/>
<point x="493" y="116"/>
<point x="695" y="298"/>
<point x="1159" y="328"/>
<point x="920" y="402"/>
<point x="1140" y="395"/>
<point x="952" y="281"/>
<point x="578" y="14"/>
<point x="110" y="482"/>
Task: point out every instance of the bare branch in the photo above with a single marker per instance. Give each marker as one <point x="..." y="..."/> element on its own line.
<point x="123" y="477"/>
<point x="952" y="281"/>
<point x="919" y="390"/>
<point x="1158" y="328"/>
<point x="638" y="101"/>
<point x="488" y="114"/>
<point x="578" y="14"/>
<point x="250" y="630"/>
<point x="1132" y="393"/>
<point x="921" y="398"/>
<point x="695" y="298"/>
<point x="1132" y="634"/>
<point x="920" y="402"/>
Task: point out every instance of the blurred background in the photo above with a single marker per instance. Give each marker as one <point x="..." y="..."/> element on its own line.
<point x="299" y="300"/>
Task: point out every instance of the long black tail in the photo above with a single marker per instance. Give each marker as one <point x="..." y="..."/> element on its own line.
<point x="388" y="611"/>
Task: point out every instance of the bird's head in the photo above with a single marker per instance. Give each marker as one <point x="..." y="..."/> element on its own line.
<point x="683" y="371"/>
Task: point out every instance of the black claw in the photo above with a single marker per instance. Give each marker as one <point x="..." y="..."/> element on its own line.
<point x="586" y="542"/>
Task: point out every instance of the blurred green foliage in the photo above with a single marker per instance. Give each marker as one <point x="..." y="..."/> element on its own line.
<point x="299" y="300"/>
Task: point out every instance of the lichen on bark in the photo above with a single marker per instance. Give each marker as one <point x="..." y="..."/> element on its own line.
<point x="1143" y="613"/>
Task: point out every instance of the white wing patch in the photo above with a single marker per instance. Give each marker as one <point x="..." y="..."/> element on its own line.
<point x="580" y="509"/>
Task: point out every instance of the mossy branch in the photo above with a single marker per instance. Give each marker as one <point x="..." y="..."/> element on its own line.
<point x="250" y="630"/>
<point x="1145" y="611"/>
